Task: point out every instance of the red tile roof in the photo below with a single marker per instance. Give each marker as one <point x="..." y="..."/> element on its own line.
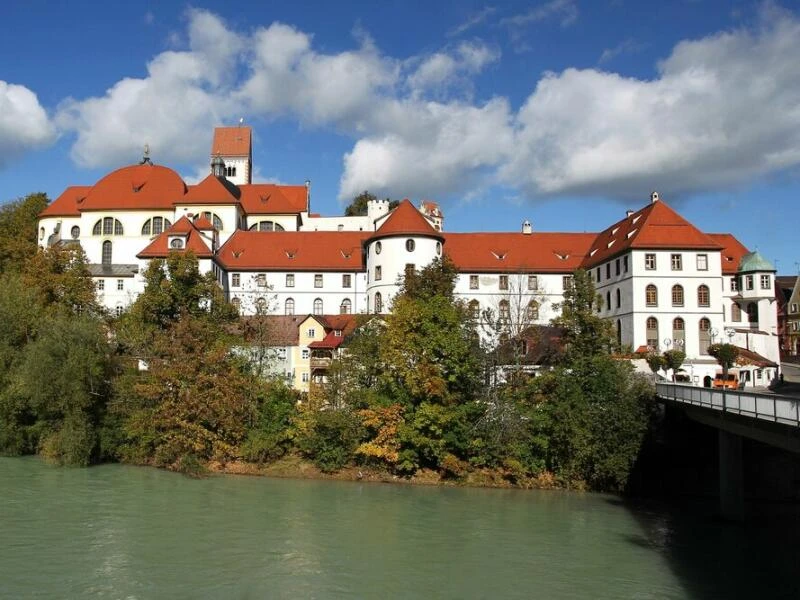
<point x="514" y="252"/>
<point x="284" y="330"/>
<point x="293" y="251"/>
<point x="344" y="324"/>
<point x="159" y="247"/>
<point x="652" y="227"/>
<point x="271" y="199"/>
<point x="68" y="203"/>
<point x="406" y="220"/>
<point x="231" y="141"/>
<point x="136" y="187"/>
<point x="212" y="190"/>
<point x="732" y="251"/>
<point x="203" y="224"/>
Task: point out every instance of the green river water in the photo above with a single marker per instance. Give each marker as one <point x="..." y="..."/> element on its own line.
<point x="136" y="533"/>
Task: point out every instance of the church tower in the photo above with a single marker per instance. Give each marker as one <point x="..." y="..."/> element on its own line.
<point x="235" y="147"/>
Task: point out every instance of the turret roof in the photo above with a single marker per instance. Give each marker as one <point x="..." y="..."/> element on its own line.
<point x="406" y="220"/>
<point x="753" y="261"/>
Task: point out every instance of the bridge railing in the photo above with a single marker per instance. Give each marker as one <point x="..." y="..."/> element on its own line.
<point x="768" y="407"/>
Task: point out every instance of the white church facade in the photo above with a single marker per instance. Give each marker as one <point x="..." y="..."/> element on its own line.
<point x="664" y="283"/>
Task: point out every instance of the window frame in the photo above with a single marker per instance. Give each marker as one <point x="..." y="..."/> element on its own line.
<point x="702" y="262"/>
<point x="676" y="262"/>
<point x="474" y="282"/>
<point x="650" y="262"/>
<point x="318" y="281"/>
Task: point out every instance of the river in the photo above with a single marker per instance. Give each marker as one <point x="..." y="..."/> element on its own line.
<point x="135" y="533"/>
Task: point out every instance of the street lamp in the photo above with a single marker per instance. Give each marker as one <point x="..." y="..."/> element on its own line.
<point x="713" y="333"/>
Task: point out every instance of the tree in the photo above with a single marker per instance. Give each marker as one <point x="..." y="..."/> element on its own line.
<point x="585" y="332"/>
<point x="673" y="359"/>
<point x="726" y="355"/>
<point x="655" y="361"/>
<point x="60" y="276"/>
<point x="358" y="207"/>
<point x="18" y="230"/>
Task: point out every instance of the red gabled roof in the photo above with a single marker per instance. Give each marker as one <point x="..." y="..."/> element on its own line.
<point x="231" y="141"/>
<point x="68" y="204"/>
<point x="293" y="251"/>
<point x="652" y="227"/>
<point x="212" y="190"/>
<point x="136" y="187"/>
<point x="510" y="252"/>
<point x="344" y="324"/>
<point x="159" y="247"/>
<point x="406" y="220"/>
<point x="732" y="251"/>
<point x="272" y="199"/>
<point x="203" y="224"/>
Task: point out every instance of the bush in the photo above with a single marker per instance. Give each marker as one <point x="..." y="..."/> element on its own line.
<point x="331" y="439"/>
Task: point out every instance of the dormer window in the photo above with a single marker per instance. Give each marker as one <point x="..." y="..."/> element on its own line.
<point x="176" y="243"/>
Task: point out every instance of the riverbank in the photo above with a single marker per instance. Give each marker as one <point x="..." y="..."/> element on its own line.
<point x="295" y="467"/>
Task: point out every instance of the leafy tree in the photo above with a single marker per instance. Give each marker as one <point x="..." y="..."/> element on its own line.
<point x="18" y="237"/>
<point x="673" y="359"/>
<point x="655" y="361"/>
<point x="61" y="278"/>
<point x="726" y="355"/>
<point x="358" y="207"/>
<point x="271" y="435"/>
<point x="329" y="437"/>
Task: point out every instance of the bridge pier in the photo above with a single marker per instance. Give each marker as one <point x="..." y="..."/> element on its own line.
<point x="731" y="481"/>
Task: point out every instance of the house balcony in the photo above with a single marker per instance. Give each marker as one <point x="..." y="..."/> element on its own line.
<point x="319" y="362"/>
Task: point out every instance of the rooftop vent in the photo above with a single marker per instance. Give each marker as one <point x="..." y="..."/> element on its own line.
<point x="527" y="227"/>
<point x="629" y="213"/>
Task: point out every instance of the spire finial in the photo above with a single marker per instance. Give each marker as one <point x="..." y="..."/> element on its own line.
<point x="146" y="158"/>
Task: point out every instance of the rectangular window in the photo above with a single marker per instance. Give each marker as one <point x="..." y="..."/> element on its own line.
<point x="311" y="332"/>
<point x="236" y="280"/>
<point x="473" y="282"/>
<point x="503" y="282"/>
<point x="378" y="273"/>
<point x="290" y="280"/>
<point x="566" y="281"/>
<point x="748" y="282"/>
<point x="533" y="282"/>
<point x="101" y="285"/>
<point x="650" y="262"/>
<point x="617" y="267"/>
<point x="261" y="278"/>
<point x="765" y="281"/>
<point x="794" y="307"/>
<point x="347" y="280"/>
<point x="625" y="263"/>
<point x="597" y="275"/>
<point x="608" y="271"/>
<point x="305" y="377"/>
<point x="676" y="261"/>
<point x="318" y="280"/>
<point x="702" y="262"/>
<point x="120" y="284"/>
<point x="734" y="284"/>
<point x="305" y="353"/>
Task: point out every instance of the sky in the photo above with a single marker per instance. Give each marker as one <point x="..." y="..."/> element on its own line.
<point x="563" y="112"/>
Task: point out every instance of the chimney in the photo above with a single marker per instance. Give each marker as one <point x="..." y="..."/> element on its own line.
<point x="308" y="195"/>
<point x="654" y="197"/>
<point x="527" y="228"/>
<point x="628" y="213"/>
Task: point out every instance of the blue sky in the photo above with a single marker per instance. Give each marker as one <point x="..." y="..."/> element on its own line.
<point x="565" y="112"/>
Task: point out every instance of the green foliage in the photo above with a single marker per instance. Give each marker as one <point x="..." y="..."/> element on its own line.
<point x="60" y="277"/>
<point x="358" y="207"/>
<point x="655" y="361"/>
<point x="585" y="332"/>
<point x="673" y="359"/>
<point x="726" y="355"/>
<point x="330" y="437"/>
<point x="18" y="235"/>
<point x="272" y="436"/>
<point x="436" y="280"/>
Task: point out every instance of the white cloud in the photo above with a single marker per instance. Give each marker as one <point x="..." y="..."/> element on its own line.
<point x="723" y="110"/>
<point x="625" y="47"/>
<point x="565" y="11"/>
<point x="473" y="21"/>
<point x="442" y="70"/>
<point x="24" y="124"/>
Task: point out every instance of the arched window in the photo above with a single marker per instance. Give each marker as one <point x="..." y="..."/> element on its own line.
<point x="677" y="295"/>
<point x="619" y="298"/>
<point x="678" y="332"/>
<point x="236" y="303"/>
<point x="752" y="313"/>
<point x="266" y="226"/>
<point x="703" y="296"/>
<point x="75" y="232"/>
<point x="107" y="226"/>
<point x="736" y="313"/>
<point x="651" y="295"/>
<point x="505" y="312"/>
<point x="533" y="311"/>
<point x="474" y="309"/>
<point x="155" y="226"/>
<point x="345" y="306"/>
<point x="317" y="306"/>
<point x="106" y="253"/>
<point x="215" y="220"/>
<point x="410" y="245"/>
<point x="261" y="305"/>
<point x="41" y="233"/>
<point x="378" y="302"/>
<point x="652" y="333"/>
<point x="705" y="335"/>
<point x="289" y="306"/>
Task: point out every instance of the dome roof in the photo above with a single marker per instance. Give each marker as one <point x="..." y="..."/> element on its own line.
<point x="753" y="261"/>
<point x="144" y="186"/>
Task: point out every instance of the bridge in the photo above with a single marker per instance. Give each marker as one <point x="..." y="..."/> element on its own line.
<point x="768" y="418"/>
